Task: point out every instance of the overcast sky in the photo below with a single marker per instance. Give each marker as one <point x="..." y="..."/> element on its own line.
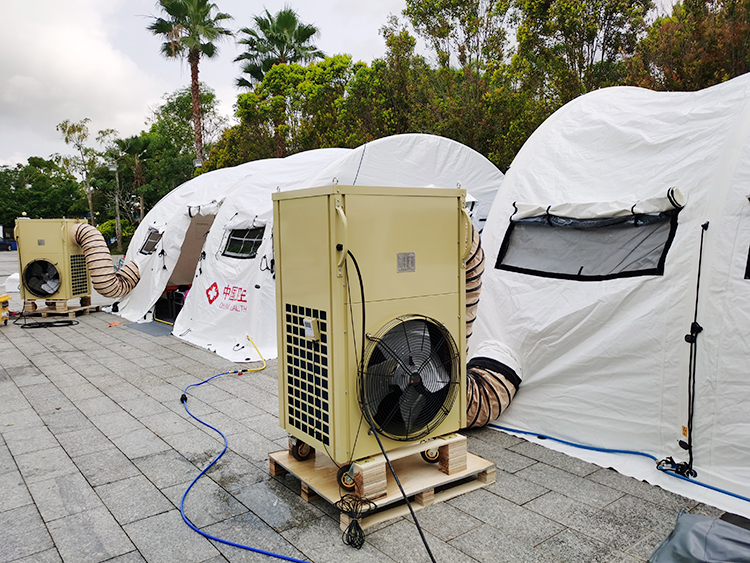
<point x="71" y="59"/>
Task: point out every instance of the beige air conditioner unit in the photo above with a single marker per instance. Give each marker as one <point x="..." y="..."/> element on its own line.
<point x="405" y="370"/>
<point x="52" y="266"/>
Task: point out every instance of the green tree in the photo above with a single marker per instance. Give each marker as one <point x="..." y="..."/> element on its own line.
<point x="702" y="43"/>
<point x="569" y="47"/>
<point x="275" y="39"/>
<point x="41" y="189"/>
<point x="471" y="31"/>
<point x="190" y="31"/>
<point x="173" y="119"/>
<point x="85" y="159"/>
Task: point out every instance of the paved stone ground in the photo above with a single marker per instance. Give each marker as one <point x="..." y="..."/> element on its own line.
<point x="96" y="451"/>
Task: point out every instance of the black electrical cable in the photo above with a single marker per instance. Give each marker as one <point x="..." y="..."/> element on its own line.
<point x="49" y="324"/>
<point x="369" y="419"/>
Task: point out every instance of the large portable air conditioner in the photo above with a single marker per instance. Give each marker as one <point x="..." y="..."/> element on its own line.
<point x="52" y="266"/>
<point x="410" y="246"/>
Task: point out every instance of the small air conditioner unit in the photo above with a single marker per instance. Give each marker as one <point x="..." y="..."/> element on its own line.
<point x="405" y="370"/>
<point x="52" y="266"/>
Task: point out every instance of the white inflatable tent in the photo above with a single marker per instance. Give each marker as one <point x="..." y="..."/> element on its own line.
<point x="233" y="299"/>
<point x="607" y="217"/>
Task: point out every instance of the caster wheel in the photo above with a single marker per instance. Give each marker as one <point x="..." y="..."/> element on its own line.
<point x="301" y="451"/>
<point x="431" y="456"/>
<point x="344" y="480"/>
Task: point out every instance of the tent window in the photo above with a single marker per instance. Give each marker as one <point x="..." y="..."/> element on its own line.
<point x="588" y="249"/>
<point x="244" y="243"/>
<point x="152" y="240"/>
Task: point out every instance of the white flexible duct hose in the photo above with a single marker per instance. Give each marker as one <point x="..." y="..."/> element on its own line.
<point x="99" y="261"/>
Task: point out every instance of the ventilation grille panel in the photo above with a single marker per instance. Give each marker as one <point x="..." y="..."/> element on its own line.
<point x="79" y="280"/>
<point x="308" y="389"/>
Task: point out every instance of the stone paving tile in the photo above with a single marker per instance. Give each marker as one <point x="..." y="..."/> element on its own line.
<point x="105" y="466"/>
<point x="22" y="533"/>
<point x="197" y="446"/>
<point x="97" y="406"/>
<point x="81" y="391"/>
<point x="14" y="492"/>
<point x="253" y="446"/>
<point x="518" y="521"/>
<point x="276" y="505"/>
<point x="706" y="510"/>
<point x="66" y="421"/>
<point x="19" y="420"/>
<point x="165" y="538"/>
<point x="26" y="440"/>
<point x="445" y="521"/>
<point x="504" y="459"/>
<point x="642" y="489"/>
<point x="402" y="542"/>
<point x="206" y="503"/>
<point x="494" y="437"/>
<point x="116" y="424"/>
<point x="45" y="464"/>
<point x="238" y="409"/>
<point x="649" y="515"/>
<point x="48" y="556"/>
<point x="555" y="459"/>
<point x="514" y="488"/>
<point x="90" y="536"/>
<point x="488" y="544"/>
<point x="86" y="441"/>
<point x="571" y="546"/>
<point x="597" y="524"/>
<point x="570" y="485"/>
<point x="168" y="423"/>
<point x="140" y="407"/>
<point x="140" y="443"/>
<point x="165" y="469"/>
<point x="63" y="496"/>
<point x="320" y="541"/>
<point x="233" y="472"/>
<point x="133" y="499"/>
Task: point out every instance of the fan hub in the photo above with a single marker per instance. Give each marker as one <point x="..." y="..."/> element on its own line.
<point x="415" y="379"/>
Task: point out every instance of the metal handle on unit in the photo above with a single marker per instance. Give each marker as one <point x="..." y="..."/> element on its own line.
<point x="465" y="234"/>
<point x="344" y="242"/>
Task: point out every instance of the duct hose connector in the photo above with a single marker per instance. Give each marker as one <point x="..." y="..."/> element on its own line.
<point x="105" y="280"/>
<point x="490" y="385"/>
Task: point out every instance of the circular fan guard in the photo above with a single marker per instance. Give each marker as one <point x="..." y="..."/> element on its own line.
<point x="411" y="377"/>
<point x="41" y="278"/>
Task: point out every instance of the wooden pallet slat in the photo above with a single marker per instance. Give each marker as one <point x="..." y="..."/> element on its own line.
<point x="419" y="479"/>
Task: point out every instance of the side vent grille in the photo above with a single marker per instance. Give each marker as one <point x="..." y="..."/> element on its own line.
<point x="79" y="280"/>
<point x="307" y="374"/>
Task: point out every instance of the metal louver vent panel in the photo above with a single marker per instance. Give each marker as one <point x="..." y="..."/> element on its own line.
<point x="79" y="281"/>
<point x="308" y="384"/>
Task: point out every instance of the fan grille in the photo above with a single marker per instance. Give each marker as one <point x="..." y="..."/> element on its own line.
<point x="411" y="377"/>
<point x="308" y="403"/>
<point x="41" y="278"/>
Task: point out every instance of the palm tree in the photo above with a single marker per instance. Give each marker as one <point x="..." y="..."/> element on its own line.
<point x="278" y="39"/>
<point x="189" y="32"/>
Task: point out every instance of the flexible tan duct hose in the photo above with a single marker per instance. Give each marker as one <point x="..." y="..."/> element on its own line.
<point x="99" y="261"/>
<point x="474" y="271"/>
<point x="490" y="385"/>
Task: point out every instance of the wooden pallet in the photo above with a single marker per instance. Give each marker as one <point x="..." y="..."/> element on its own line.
<point x="70" y="312"/>
<point x="424" y="483"/>
<point x="60" y="307"/>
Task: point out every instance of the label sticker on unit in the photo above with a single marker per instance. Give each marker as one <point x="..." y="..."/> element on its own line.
<point x="406" y="262"/>
<point x="312" y="329"/>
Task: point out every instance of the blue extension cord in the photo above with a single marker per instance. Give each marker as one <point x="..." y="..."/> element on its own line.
<point x="629" y="452"/>
<point x="183" y="399"/>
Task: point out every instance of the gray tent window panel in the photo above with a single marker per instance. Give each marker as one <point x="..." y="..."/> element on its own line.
<point x="243" y="243"/>
<point x="588" y="249"/>
<point x="152" y="240"/>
